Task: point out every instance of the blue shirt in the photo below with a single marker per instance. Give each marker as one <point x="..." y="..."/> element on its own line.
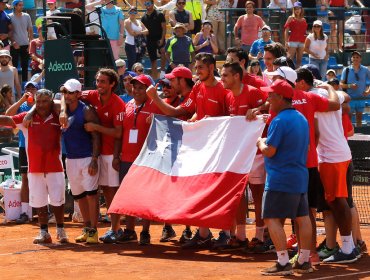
<point x="258" y="46"/>
<point x="180" y="49"/>
<point x="5" y="21"/>
<point x="111" y="21"/>
<point x="362" y="74"/>
<point x="286" y="170"/>
<point x="23" y="108"/>
<point x="125" y="97"/>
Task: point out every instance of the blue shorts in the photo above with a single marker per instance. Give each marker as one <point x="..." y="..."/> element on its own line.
<point x="357" y="105"/>
<point x="281" y="205"/>
<point x="295" y="44"/>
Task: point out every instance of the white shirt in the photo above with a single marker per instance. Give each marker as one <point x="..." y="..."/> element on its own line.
<point x="129" y="38"/>
<point x="318" y="46"/>
<point x="333" y="146"/>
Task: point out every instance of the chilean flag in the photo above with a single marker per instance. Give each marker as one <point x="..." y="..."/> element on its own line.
<point x="190" y="173"/>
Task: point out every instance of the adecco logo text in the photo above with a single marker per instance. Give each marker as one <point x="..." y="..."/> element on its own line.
<point x="58" y="67"/>
<point x="3" y="162"/>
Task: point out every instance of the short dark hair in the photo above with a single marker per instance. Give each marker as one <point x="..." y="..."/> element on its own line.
<point x="250" y="3"/>
<point x="5" y="89"/>
<point x="276" y="49"/>
<point x="46" y="92"/>
<point x="111" y="74"/>
<point x="305" y="75"/>
<point x="206" y="58"/>
<point x="189" y="82"/>
<point x="240" y="53"/>
<point x="284" y="61"/>
<point x="235" y="68"/>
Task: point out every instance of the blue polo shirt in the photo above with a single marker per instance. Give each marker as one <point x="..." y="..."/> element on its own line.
<point x="23" y="108"/>
<point x="286" y="170"/>
<point x="257" y="47"/>
<point x="111" y="21"/>
<point x="358" y="78"/>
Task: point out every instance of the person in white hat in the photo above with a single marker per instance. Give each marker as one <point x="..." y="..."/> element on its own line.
<point x="8" y="73"/>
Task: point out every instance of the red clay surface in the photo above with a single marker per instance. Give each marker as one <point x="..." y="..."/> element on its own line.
<point x="20" y="259"/>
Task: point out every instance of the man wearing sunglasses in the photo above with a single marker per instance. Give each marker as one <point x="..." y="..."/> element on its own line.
<point x="353" y="80"/>
<point x="155" y="22"/>
<point x="179" y="14"/>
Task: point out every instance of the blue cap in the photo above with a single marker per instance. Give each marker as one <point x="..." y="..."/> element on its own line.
<point x="131" y="73"/>
<point x="31" y="83"/>
<point x="15" y="2"/>
<point x="297" y="4"/>
<point x="314" y="70"/>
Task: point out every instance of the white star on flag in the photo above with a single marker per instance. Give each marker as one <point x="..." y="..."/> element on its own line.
<point x="162" y="145"/>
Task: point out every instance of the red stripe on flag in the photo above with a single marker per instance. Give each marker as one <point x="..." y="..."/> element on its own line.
<point x="207" y="200"/>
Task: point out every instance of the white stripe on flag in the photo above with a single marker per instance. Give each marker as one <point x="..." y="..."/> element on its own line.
<point x="217" y="145"/>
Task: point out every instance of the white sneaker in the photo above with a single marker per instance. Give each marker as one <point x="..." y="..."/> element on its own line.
<point x="43" y="237"/>
<point x="61" y="235"/>
<point x="161" y="75"/>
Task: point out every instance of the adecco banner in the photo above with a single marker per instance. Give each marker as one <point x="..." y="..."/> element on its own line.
<point x="6" y="162"/>
<point x="59" y="63"/>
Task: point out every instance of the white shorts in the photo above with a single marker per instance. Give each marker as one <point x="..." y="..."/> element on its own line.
<point x="46" y="188"/>
<point x="107" y="175"/>
<point x="257" y="175"/>
<point x="78" y="176"/>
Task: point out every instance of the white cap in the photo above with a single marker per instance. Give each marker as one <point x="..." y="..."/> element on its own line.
<point x="317" y="22"/>
<point x="286" y="72"/>
<point x="120" y="63"/>
<point x="73" y="85"/>
<point x="266" y="27"/>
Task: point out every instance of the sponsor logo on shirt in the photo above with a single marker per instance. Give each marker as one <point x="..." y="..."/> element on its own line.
<point x="299" y="102"/>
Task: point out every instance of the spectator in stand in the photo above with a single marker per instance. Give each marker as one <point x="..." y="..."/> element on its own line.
<point x="354" y="81"/>
<point x="257" y="50"/>
<point x="249" y="26"/>
<point x="297" y="26"/>
<point x="155" y="22"/>
<point x="316" y="45"/>
<point x="138" y="68"/>
<point x="134" y="43"/>
<point x="179" y="48"/>
<point x="278" y="15"/>
<point x="22" y="35"/>
<point x="37" y="53"/>
<point x="331" y="74"/>
<point x="52" y="5"/>
<point x="8" y="73"/>
<point x="218" y="20"/>
<point x="127" y="77"/>
<point x="6" y="98"/>
<point x="183" y="16"/>
<point x="121" y="69"/>
<point x="5" y="26"/>
<point x="255" y="68"/>
<point x="205" y="40"/>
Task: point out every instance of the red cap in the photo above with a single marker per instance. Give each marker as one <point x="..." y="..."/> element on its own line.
<point x="280" y="87"/>
<point x="143" y="79"/>
<point x="180" y="72"/>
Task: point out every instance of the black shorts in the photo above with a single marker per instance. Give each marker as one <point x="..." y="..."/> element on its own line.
<point x="314" y="187"/>
<point x="124" y="166"/>
<point x="153" y="47"/>
<point x="22" y="162"/>
<point x="338" y="14"/>
<point x="323" y="206"/>
<point x="281" y="205"/>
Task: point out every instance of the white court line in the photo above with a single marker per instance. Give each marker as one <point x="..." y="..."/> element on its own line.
<point x="343" y="275"/>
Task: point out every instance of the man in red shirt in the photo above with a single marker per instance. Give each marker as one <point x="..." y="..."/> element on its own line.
<point x="110" y="109"/>
<point x="45" y="169"/>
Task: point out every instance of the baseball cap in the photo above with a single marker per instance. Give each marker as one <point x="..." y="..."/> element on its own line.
<point x="356" y="52"/>
<point x="314" y="70"/>
<point x="143" y="79"/>
<point x="180" y="25"/>
<point x="317" y="22"/>
<point x="120" y="63"/>
<point x="35" y="85"/>
<point x="5" y="53"/>
<point x="266" y="27"/>
<point x="297" y="5"/>
<point x="129" y="73"/>
<point x="51" y="1"/>
<point x="285" y="72"/>
<point x="164" y="82"/>
<point x="331" y="71"/>
<point x="73" y="85"/>
<point x="179" y="72"/>
<point x="280" y="87"/>
<point x="15" y="2"/>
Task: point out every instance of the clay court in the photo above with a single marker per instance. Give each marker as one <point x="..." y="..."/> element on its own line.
<point x="20" y="259"/>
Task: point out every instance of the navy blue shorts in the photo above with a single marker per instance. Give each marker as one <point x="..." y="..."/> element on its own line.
<point x="281" y="205"/>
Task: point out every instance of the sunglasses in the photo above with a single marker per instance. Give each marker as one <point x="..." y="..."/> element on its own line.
<point x="140" y="70"/>
<point x="148" y="3"/>
<point x="166" y="86"/>
<point x="132" y="12"/>
<point x="181" y="3"/>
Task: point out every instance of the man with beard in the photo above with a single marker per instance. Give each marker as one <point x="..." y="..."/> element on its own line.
<point x="9" y="74"/>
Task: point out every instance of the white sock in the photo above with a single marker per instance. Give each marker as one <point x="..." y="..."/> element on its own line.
<point x="259" y="233"/>
<point x="241" y="233"/>
<point x="347" y="246"/>
<point x="283" y="257"/>
<point x="203" y="232"/>
<point x="25" y="207"/>
<point x="304" y="256"/>
<point x="227" y="232"/>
